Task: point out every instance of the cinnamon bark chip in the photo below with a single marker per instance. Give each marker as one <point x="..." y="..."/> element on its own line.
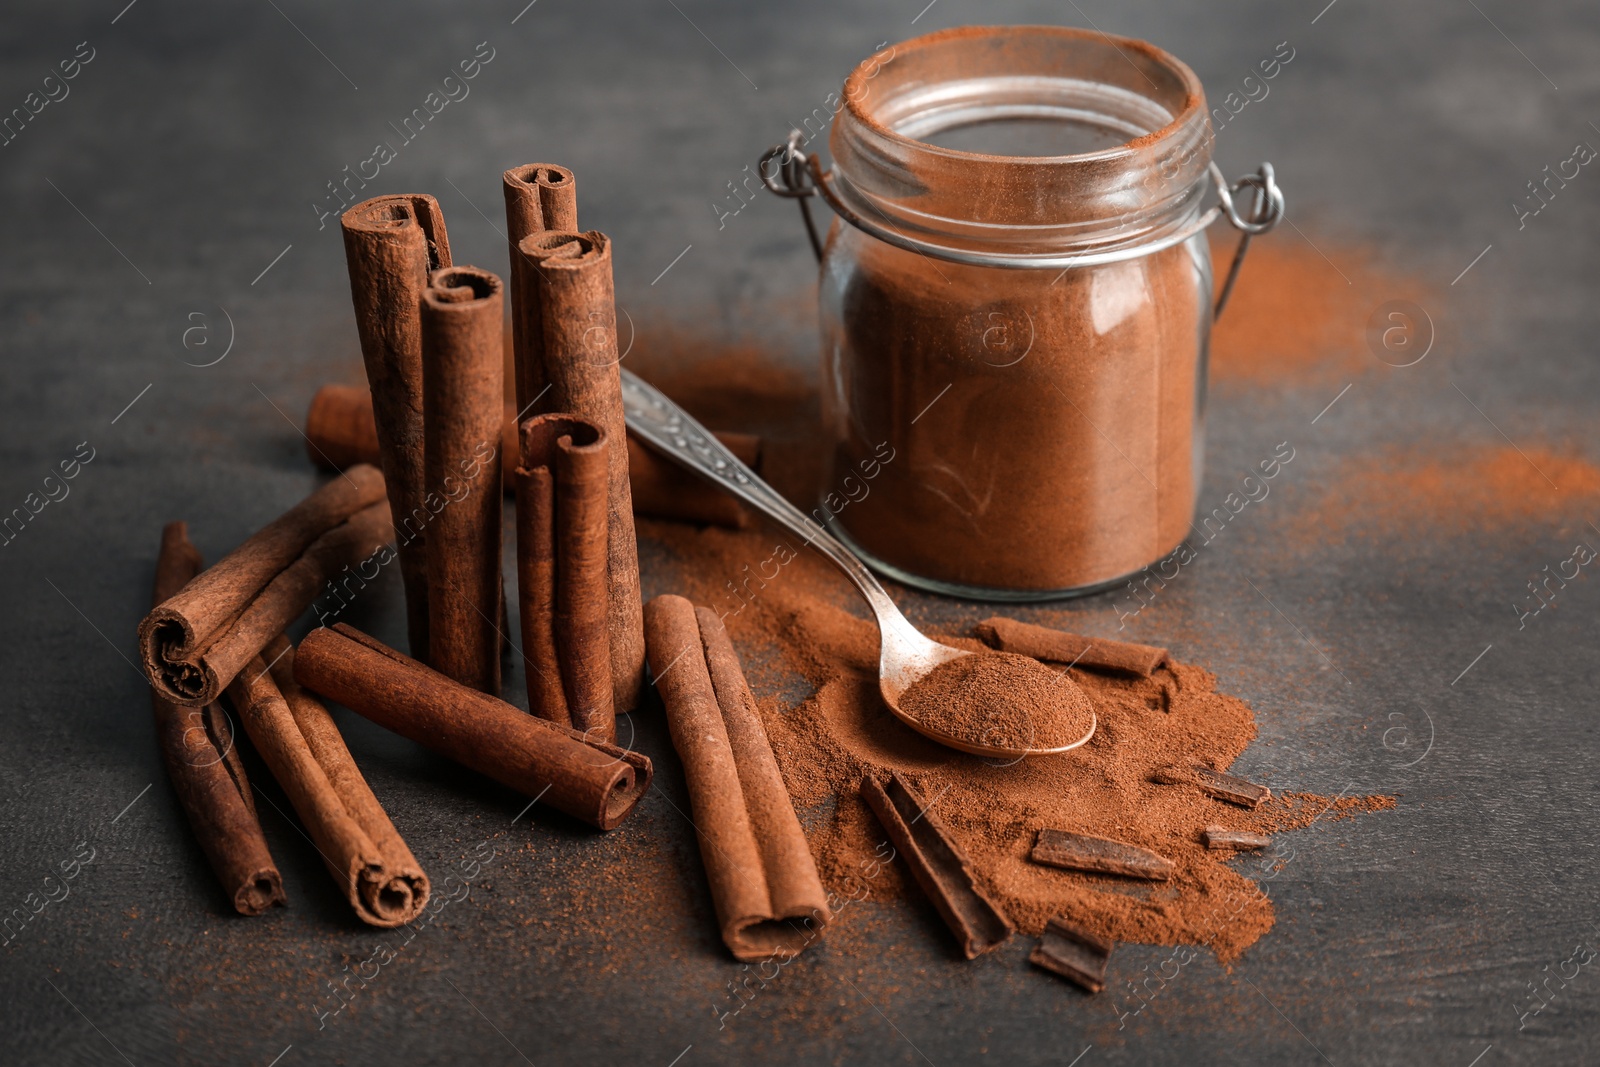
<point x="202" y="760"/>
<point x="1220" y="837"/>
<point x="1059" y="646"/>
<point x="196" y="641"/>
<point x="589" y="780"/>
<point x="1073" y="953"/>
<point x="1101" y="855"/>
<point x="340" y="431"/>
<point x="770" y="903"/>
<point x="938" y="863"/>
<point x="564" y="335"/>
<point x="562" y="572"/>
<point x="1214" y="783"/>
<point x="463" y="415"/>
<point x="297" y="738"/>
<point x="391" y="244"/>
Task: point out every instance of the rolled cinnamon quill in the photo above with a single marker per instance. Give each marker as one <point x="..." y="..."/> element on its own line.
<point x="391" y="244"/>
<point x="463" y="415"/>
<point x="203" y="764"/>
<point x="769" y="901"/>
<point x="589" y="780"/>
<point x="562" y="572"/>
<point x="1059" y="646"/>
<point x="297" y="738"/>
<point x="564" y="336"/>
<point x="196" y="641"/>
<point x="664" y="489"/>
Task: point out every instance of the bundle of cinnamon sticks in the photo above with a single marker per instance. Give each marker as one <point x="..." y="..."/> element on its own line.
<point x="433" y="418"/>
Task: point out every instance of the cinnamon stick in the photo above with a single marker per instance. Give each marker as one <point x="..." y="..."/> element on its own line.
<point x="1214" y="783"/>
<point x="1101" y="855"/>
<point x="463" y="415"/>
<point x="1073" y="953"/>
<point x="297" y="738"/>
<point x="1220" y="838"/>
<point x="340" y="431"/>
<point x="769" y="901"/>
<point x="195" y="642"/>
<point x="664" y="489"/>
<point x="589" y="780"/>
<point x="564" y="333"/>
<point x="1059" y="646"/>
<point x="939" y="864"/>
<point x="562" y="572"/>
<point x="391" y="244"/>
<point x="203" y="764"/>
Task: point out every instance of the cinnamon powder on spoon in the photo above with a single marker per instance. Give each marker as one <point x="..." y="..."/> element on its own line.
<point x="1000" y="700"/>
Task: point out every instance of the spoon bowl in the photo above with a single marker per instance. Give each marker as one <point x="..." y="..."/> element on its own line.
<point x="906" y="655"/>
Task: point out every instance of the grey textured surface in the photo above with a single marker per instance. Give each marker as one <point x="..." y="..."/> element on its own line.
<point x="188" y="156"/>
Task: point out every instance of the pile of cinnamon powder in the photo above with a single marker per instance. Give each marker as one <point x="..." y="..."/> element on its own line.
<point x="804" y="637"/>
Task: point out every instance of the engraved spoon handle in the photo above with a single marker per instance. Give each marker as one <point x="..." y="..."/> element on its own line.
<point x="675" y="433"/>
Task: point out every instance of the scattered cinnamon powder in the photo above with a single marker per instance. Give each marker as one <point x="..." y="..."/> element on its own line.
<point x="1002" y="700"/>
<point x="1299" y="314"/>
<point x="813" y="667"/>
<point x="1467" y="487"/>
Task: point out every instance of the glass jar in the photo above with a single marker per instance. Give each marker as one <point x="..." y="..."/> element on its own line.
<point x="1015" y="309"/>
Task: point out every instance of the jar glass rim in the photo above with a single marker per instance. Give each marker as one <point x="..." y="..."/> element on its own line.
<point x="1127" y="193"/>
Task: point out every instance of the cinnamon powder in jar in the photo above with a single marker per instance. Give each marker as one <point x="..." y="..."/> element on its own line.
<point x="1044" y="431"/>
<point x="1024" y="333"/>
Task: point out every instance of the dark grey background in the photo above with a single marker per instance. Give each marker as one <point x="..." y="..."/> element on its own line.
<point x="187" y="157"/>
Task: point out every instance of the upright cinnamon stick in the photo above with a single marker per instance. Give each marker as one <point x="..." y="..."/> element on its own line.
<point x="203" y="764"/>
<point x="391" y="244"/>
<point x="590" y="780"/>
<point x="1059" y="646"/>
<point x="298" y="740"/>
<point x="769" y="900"/>
<point x="562" y="572"/>
<point x="463" y="413"/>
<point x="565" y="339"/>
<point x="340" y="431"/>
<point x="195" y="642"/>
<point x="540" y="198"/>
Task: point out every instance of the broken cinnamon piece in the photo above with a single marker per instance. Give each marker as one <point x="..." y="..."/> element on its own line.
<point x="938" y="863"/>
<point x="297" y="739"/>
<point x="1220" y="837"/>
<point x="589" y="780"/>
<point x="391" y="244"/>
<point x="195" y="642"/>
<point x="1059" y="646"/>
<point x="1073" y="953"/>
<point x="769" y="900"/>
<point x="1214" y="783"/>
<point x="1081" y="852"/>
<point x="201" y="755"/>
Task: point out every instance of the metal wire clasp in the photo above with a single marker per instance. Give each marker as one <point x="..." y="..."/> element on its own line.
<point x="1266" y="210"/>
<point x="796" y="181"/>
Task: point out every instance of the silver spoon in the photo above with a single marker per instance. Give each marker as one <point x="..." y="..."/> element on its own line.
<point x="905" y="655"/>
